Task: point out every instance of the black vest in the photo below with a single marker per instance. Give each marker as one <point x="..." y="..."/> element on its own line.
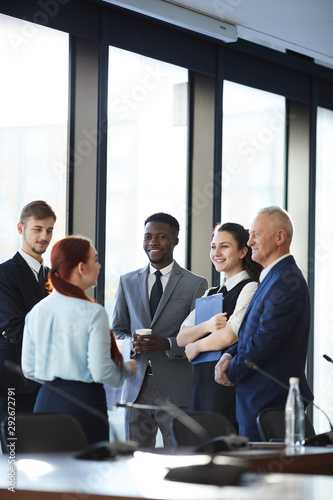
<point x="230" y="298"/>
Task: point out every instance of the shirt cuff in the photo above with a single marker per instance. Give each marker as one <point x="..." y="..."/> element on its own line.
<point x="167" y="353"/>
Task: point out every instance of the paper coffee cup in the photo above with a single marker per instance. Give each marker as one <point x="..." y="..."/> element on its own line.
<point x="143" y="331"/>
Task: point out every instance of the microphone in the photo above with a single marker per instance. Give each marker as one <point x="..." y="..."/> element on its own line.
<point x="255" y="367"/>
<point x="175" y="412"/>
<point x="330" y="360"/>
<point x="318" y="439"/>
<point x="220" y="470"/>
<point x="207" y="444"/>
<point x="96" y="451"/>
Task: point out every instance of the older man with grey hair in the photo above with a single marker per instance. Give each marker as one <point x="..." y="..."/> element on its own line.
<point x="275" y="329"/>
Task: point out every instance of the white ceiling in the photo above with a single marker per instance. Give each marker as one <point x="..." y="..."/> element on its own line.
<point x="304" y="26"/>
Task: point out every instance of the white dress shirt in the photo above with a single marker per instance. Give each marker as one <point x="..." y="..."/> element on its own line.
<point x="32" y="263"/>
<point x="166" y="271"/>
<point x="265" y="271"/>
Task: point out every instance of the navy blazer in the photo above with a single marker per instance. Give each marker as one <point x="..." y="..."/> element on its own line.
<point x="19" y="292"/>
<point x="274" y="334"/>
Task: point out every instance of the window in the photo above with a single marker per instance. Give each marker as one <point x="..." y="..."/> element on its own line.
<point x="33" y="124"/>
<point x="253" y="162"/>
<point x="147" y="158"/>
<point x="323" y="292"/>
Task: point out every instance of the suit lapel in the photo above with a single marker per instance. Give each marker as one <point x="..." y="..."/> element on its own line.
<point x="256" y="295"/>
<point x="261" y="286"/>
<point x="142" y="278"/>
<point x="28" y="275"/>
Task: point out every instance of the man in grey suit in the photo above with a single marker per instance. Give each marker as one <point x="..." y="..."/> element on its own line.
<point x="163" y="369"/>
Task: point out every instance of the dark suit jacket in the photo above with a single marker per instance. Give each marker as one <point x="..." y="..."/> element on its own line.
<point x="274" y="334"/>
<point x="19" y="292"/>
<point x="173" y="373"/>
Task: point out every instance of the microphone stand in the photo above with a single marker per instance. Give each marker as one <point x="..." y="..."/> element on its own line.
<point x="175" y="412"/>
<point x="207" y="444"/>
<point x="96" y="451"/>
<point x="330" y="360"/>
<point x="219" y="471"/>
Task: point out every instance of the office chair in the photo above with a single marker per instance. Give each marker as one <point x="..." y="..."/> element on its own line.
<point x="212" y="425"/>
<point x="43" y="432"/>
<point x="271" y="425"/>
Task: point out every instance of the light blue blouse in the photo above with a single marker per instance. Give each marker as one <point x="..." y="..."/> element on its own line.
<point x="69" y="338"/>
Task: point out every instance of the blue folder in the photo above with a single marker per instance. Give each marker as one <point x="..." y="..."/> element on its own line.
<point x="206" y="308"/>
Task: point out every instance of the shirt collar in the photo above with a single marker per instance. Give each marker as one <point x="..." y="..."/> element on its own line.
<point x="234" y="280"/>
<point x="33" y="263"/>
<point x="265" y="271"/>
<point x="164" y="271"/>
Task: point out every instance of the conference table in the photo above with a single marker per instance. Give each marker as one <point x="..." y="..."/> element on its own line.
<point x="264" y="473"/>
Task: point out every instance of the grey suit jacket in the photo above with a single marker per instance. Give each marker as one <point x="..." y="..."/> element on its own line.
<point x="172" y="371"/>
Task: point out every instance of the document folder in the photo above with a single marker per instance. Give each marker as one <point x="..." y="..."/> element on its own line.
<point x="206" y="308"/>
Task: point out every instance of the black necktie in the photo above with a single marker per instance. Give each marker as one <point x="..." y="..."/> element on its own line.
<point x="41" y="278"/>
<point x="156" y="293"/>
<point x="223" y="289"/>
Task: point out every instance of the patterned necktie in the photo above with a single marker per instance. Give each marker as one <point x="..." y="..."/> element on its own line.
<point x="156" y="293"/>
<point x="41" y="278"/>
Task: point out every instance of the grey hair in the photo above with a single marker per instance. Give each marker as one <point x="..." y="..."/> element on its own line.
<point x="280" y="217"/>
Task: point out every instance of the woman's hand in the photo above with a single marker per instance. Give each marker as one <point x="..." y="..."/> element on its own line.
<point x="217" y="322"/>
<point x="133" y="366"/>
<point x="192" y="350"/>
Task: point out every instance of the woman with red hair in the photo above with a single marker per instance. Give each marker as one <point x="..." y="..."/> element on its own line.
<point x="67" y="342"/>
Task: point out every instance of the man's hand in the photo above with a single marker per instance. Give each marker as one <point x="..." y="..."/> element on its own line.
<point x="221" y="370"/>
<point x="145" y="344"/>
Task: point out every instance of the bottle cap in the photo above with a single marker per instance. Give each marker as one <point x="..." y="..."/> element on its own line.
<point x="294" y="380"/>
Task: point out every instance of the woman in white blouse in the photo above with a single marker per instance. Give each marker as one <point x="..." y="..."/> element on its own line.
<point x="67" y="341"/>
<point x="231" y="256"/>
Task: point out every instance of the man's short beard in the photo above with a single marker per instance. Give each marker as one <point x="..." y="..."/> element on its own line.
<point x="157" y="261"/>
<point x="38" y="252"/>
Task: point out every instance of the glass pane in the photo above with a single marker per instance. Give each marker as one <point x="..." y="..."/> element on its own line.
<point x="147" y="157"/>
<point x="323" y="315"/>
<point x="253" y="161"/>
<point x="33" y="124"/>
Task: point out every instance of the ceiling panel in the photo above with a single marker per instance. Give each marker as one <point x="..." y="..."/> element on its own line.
<point x="304" y="26"/>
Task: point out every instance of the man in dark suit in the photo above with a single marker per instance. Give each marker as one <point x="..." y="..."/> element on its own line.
<point x="275" y="329"/>
<point x="22" y="285"/>
<point x="163" y="369"/>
